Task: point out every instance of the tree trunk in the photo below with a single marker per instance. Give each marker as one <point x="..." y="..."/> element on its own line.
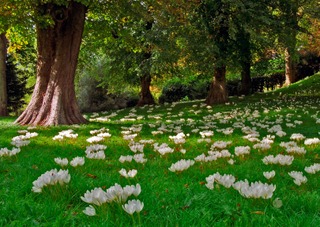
<point x="53" y="101"/>
<point x="290" y="73"/>
<point x="291" y="13"/>
<point x="218" y="92"/>
<point x="146" y="97"/>
<point x="3" y="80"/>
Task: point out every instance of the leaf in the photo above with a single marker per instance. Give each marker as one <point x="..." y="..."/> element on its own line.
<point x="91" y="176"/>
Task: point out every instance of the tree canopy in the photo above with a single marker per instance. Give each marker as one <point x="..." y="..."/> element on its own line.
<point x="137" y="41"/>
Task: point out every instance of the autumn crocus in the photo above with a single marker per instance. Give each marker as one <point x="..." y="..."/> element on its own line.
<point x="133" y="206"/>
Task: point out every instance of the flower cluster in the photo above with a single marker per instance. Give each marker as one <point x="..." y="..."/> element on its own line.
<point x="313" y="168"/>
<point x="139" y="158"/>
<point x="133" y="206"/>
<point x="6" y="152"/>
<point x="181" y="165"/>
<point x="130" y="174"/>
<point x="269" y="174"/>
<point x="278" y="159"/>
<point x="220" y="145"/>
<point x="95" y="151"/>
<point x="254" y="189"/>
<point x="298" y="177"/>
<point x="242" y="150"/>
<point x="297" y="137"/>
<point x="51" y="177"/>
<point x="23" y="140"/>
<point x="311" y="141"/>
<point x="65" y="134"/>
<point x="115" y="193"/>
<point x="226" y="180"/>
<point x="61" y="161"/>
<point x="163" y="148"/>
<point x="180" y="138"/>
<point x="292" y="147"/>
<point x="136" y="147"/>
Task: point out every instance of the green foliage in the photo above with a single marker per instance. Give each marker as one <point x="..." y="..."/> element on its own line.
<point x="267" y="67"/>
<point x="16" y="87"/>
<point x="190" y="88"/>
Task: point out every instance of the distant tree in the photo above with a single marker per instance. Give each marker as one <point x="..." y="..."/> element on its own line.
<point x="293" y="15"/>
<point x="16" y="87"/>
<point x="3" y="81"/>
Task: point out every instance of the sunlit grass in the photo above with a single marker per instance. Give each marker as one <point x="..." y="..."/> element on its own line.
<point x="171" y="198"/>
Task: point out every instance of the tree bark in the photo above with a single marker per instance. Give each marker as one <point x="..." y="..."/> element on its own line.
<point x="3" y="80"/>
<point x="291" y="14"/>
<point x="218" y="93"/>
<point x="290" y="73"/>
<point x="146" y="97"/>
<point x="53" y="101"/>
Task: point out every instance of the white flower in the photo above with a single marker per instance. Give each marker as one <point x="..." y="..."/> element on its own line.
<point x="6" y="152"/>
<point x="130" y="174"/>
<point x="298" y="177"/>
<point x="180" y="138"/>
<point x="163" y="148"/>
<point x="226" y="180"/>
<point x="96" y="196"/>
<point x="297" y="136"/>
<point x="51" y="177"/>
<point x="181" y="165"/>
<point x="95" y="139"/>
<point x="90" y="211"/>
<point x="127" y="158"/>
<point x="96" y="155"/>
<point x="279" y="159"/>
<point x="61" y="161"/>
<point x="133" y="206"/>
<point x="135" y="147"/>
<point x="255" y="189"/>
<point x="311" y="141"/>
<point x="77" y="161"/>
<point x="269" y="175"/>
<point x="65" y="134"/>
<point x="242" y="150"/>
<point x="313" y="168"/>
<point x="220" y="145"/>
<point x="139" y="158"/>
<point x="206" y="134"/>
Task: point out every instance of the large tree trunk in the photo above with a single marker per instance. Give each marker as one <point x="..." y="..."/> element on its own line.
<point x="3" y="80"/>
<point x="54" y="101"/>
<point x="218" y="91"/>
<point x="290" y="73"/>
<point x="291" y="13"/>
<point x="146" y="97"/>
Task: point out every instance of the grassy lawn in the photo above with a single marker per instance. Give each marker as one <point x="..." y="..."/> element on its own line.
<point x="209" y="138"/>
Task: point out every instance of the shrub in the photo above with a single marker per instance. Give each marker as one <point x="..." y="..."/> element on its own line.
<point x="16" y="87"/>
<point x="177" y="89"/>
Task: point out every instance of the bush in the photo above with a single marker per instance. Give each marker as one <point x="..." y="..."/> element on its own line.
<point x="93" y="98"/>
<point x="177" y="90"/>
<point x="16" y="87"/>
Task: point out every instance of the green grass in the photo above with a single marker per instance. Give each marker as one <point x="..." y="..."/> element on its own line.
<point x="171" y="199"/>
